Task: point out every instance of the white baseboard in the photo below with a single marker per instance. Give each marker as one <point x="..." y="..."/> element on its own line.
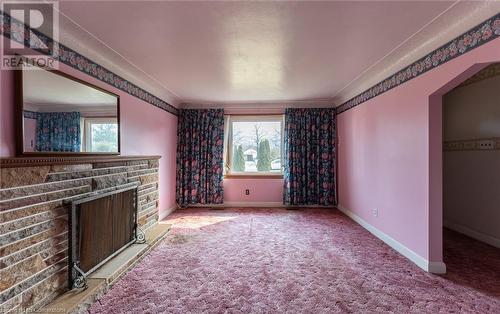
<point x="165" y="213"/>
<point x="239" y="204"/>
<point x="436" y="267"/>
<point x="472" y="233"/>
<point x="432" y="267"/>
<point x="271" y="205"/>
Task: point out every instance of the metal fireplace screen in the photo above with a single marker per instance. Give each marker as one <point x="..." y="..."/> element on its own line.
<point x="101" y="226"/>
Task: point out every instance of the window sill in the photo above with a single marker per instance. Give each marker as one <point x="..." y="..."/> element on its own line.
<point x="253" y="176"/>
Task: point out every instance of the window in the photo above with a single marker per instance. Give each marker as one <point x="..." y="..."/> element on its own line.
<point x="100" y="135"/>
<point x="254" y="145"/>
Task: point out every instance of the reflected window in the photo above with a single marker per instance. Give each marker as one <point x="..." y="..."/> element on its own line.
<point x="101" y="134"/>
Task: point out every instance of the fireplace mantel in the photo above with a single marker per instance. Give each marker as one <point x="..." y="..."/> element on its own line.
<point x="11" y="162"/>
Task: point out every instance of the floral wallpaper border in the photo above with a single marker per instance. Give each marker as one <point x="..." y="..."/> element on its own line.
<point x="77" y="61"/>
<point x="479" y="35"/>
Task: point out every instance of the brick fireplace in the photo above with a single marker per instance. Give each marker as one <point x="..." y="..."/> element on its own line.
<point x="35" y="198"/>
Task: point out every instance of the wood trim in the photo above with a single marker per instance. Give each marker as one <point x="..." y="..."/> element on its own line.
<point x="18" y="111"/>
<point x="66" y="160"/>
<point x="78" y="80"/>
<point x="118" y="121"/>
<point x="253" y="176"/>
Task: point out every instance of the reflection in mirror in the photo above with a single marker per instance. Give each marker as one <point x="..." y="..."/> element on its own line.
<point x="61" y="114"/>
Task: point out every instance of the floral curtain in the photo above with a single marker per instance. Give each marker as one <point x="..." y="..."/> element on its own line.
<point x="200" y="156"/>
<point x="309" y="157"/>
<point x="58" y="132"/>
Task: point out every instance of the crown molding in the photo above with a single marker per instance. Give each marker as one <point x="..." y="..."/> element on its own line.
<point x="464" y="16"/>
<point x="479" y="35"/>
<point x="88" y="44"/>
<point x="14" y="29"/>
<point x="460" y="17"/>
<point x="259" y="105"/>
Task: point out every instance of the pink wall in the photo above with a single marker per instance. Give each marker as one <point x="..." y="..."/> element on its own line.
<point x="261" y="190"/>
<point x="390" y="155"/>
<point x="145" y="130"/>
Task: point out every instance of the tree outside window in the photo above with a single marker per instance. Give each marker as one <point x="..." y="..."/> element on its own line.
<point x="255" y="144"/>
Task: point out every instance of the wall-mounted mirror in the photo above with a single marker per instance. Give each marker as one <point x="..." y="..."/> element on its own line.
<point x="60" y="114"/>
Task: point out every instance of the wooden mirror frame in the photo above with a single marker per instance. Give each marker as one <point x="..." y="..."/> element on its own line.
<point x="19" y="117"/>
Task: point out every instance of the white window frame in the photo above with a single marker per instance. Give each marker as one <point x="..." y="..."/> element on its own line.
<point x="87" y="130"/>
<point x="228" y="151"/>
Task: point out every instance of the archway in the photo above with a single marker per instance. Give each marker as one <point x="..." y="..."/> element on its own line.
<point x="435" y="215"/>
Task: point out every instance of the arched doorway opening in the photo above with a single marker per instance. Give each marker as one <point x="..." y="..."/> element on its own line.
<point x="443" y="190"/>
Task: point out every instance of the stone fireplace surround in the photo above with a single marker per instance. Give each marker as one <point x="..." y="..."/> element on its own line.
<point x="34" y="217"/>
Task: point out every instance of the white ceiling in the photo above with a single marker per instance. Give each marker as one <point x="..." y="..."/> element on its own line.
<point x="262" y="52"/>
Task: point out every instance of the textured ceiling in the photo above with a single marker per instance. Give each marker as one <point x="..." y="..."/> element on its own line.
<point x="259" y="52"/>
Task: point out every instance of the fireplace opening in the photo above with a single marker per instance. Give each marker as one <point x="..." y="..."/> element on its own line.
<point x="101" y="226"/>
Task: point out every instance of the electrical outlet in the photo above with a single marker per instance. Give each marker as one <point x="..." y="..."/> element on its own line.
<point x="247" y="192"/>
<point x="375" y="212"/>
<point x="486" y="144"/>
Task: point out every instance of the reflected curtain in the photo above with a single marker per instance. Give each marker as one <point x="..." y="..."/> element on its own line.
<point x="309" y="157"/>
<point x="200" y="156"/>
<point x="58" y="131"/>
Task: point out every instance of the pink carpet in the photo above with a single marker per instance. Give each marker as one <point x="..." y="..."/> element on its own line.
<point x="304" y="261"/>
